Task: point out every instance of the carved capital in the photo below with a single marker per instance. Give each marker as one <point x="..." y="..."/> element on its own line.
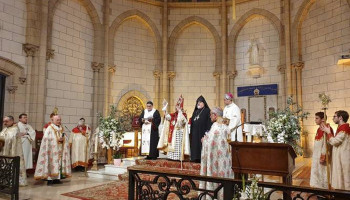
<point x="22" y="80"/>
<point x="232" y="74"/>
<point x="112" y="68"/>
<point x="281" y="68"/>
<point x="217" y="74"/>
<point x="30" y="49"/>
<point x="50" y="53"/>
<point x="96" y="66"/>
<point x="298" y="65"/>
<point x="171" y="74"/>
<point x="12" y="89"/>
<point x="157" y="73"/>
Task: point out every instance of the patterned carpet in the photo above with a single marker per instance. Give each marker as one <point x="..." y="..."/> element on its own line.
<point x="119" y="189"/>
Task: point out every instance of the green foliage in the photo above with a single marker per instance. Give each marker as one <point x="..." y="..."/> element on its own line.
<point x="284" y="125"/>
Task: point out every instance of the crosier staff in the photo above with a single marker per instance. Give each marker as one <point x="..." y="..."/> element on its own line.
<point x="327" y="152"/>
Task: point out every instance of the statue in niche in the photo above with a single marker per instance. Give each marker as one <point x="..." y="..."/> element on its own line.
<point x="254" y="52"/>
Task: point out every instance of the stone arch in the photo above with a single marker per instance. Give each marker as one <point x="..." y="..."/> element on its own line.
<point x="147" y="21"/>
<point x="133" y="93"/>
<point x="296" y="29"/>
<point x="12" y="70"/>
<point x="178" y="30"/>
<point x="96" y="23"/>
<point x="241" y="22"/>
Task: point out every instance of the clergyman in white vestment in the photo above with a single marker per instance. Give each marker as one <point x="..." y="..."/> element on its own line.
<point x="28" y="139"/>
<point x="233" y="113"/>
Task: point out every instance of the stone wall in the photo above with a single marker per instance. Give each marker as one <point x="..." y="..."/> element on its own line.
<point x="69" y="78"/>
<point x="135" y="60"/>
<point x="194" y="67"/>
<point x="325" y="36"/>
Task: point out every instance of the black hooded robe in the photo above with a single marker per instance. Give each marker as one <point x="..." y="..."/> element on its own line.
<point x="198" y="128"/>
<point x="154" y="138"/>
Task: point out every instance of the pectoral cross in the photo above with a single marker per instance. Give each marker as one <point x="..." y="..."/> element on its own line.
<point x="196" y="118"/>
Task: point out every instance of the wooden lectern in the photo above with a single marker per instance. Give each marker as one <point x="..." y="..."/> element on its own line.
<point x="263" y="158"/>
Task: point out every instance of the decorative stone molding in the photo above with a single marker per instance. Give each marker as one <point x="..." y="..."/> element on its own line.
<point x="232" y="74"/>
<point x="171" y="74"/>
<point x="281" y="68"/>
<point x="157" y="73"/>
<point x="96" y="66"/>
<point x="12" y="89"/>
<point x="112" y="69"/>
<point x="50" y="53"/>
<point x="298" y="65"/>
<point x="22" y="80"/>
<point x="29" y="49"/>
<point x="217" y="74"/>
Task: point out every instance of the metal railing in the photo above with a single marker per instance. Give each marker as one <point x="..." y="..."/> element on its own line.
<point x="148" y="183"/>
<point x="9" y="175"/>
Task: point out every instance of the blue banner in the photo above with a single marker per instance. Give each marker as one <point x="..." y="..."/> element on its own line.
<point x="271" y="89"/>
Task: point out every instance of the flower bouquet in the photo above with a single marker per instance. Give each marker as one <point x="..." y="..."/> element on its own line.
<point x="284" y="125"/>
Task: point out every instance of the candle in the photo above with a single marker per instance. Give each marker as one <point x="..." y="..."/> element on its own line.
<point x="113" y="137"/>
<point x="96" y="142"/>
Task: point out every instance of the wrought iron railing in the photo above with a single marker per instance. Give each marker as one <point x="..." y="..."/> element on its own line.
<point x="9" y="175"/>
<point x="148" y="183"/>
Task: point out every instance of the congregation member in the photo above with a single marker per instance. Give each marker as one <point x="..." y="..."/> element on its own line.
<point x="341" y="150"/>
<point x="216" y="155"/>
<point x="79" y="141"/>
<point x="28" y="138"/>
<point x="232" y="117"/>
<point x="150" y="120"/>
<point x="54" y="158"/>
<point x="318" y="177"/>
<point x="11" y="145"/>
<point x="200" y="124"/>
<point x="174" y="139"/>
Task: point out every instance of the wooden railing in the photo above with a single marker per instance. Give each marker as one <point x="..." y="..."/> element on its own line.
<point x="148" y="183"/>
<point x="9" y="175"/>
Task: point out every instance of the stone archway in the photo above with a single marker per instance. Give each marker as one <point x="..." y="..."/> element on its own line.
<point x="14" y="75"/>
<point x="147" y="21"/>
<point x="296" y="29"/>
<point x="97" y="25"/>
<point x="241" y="22"/>
<point x="178" y="30"/>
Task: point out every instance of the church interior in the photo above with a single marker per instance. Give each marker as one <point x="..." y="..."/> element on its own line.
<point x="82" y="56"/>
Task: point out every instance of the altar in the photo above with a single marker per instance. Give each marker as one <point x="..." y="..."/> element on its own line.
<point x="253" y="130"/>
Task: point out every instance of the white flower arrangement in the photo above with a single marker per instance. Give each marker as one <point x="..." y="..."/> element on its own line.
<point x="284" y="125"/>
<point x="111" y="131"/>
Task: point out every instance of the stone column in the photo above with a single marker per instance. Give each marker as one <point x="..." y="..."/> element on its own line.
<point x="287" y="32"/>
<point x="282" y="70"/>
<point x="30" y="50"/>
<point x="165" y="83"/>
<point x="12" y="90"/>
<point x="106" y="77"/>
<point x="217" y="90"/>
<point x="157" y="74"/>
<point x="171" y="76"/>
<point x="223" y="87"/>
<point x="298" y="69"/>
<point x="231" y="77"/>
<point x="96" y="67"/>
